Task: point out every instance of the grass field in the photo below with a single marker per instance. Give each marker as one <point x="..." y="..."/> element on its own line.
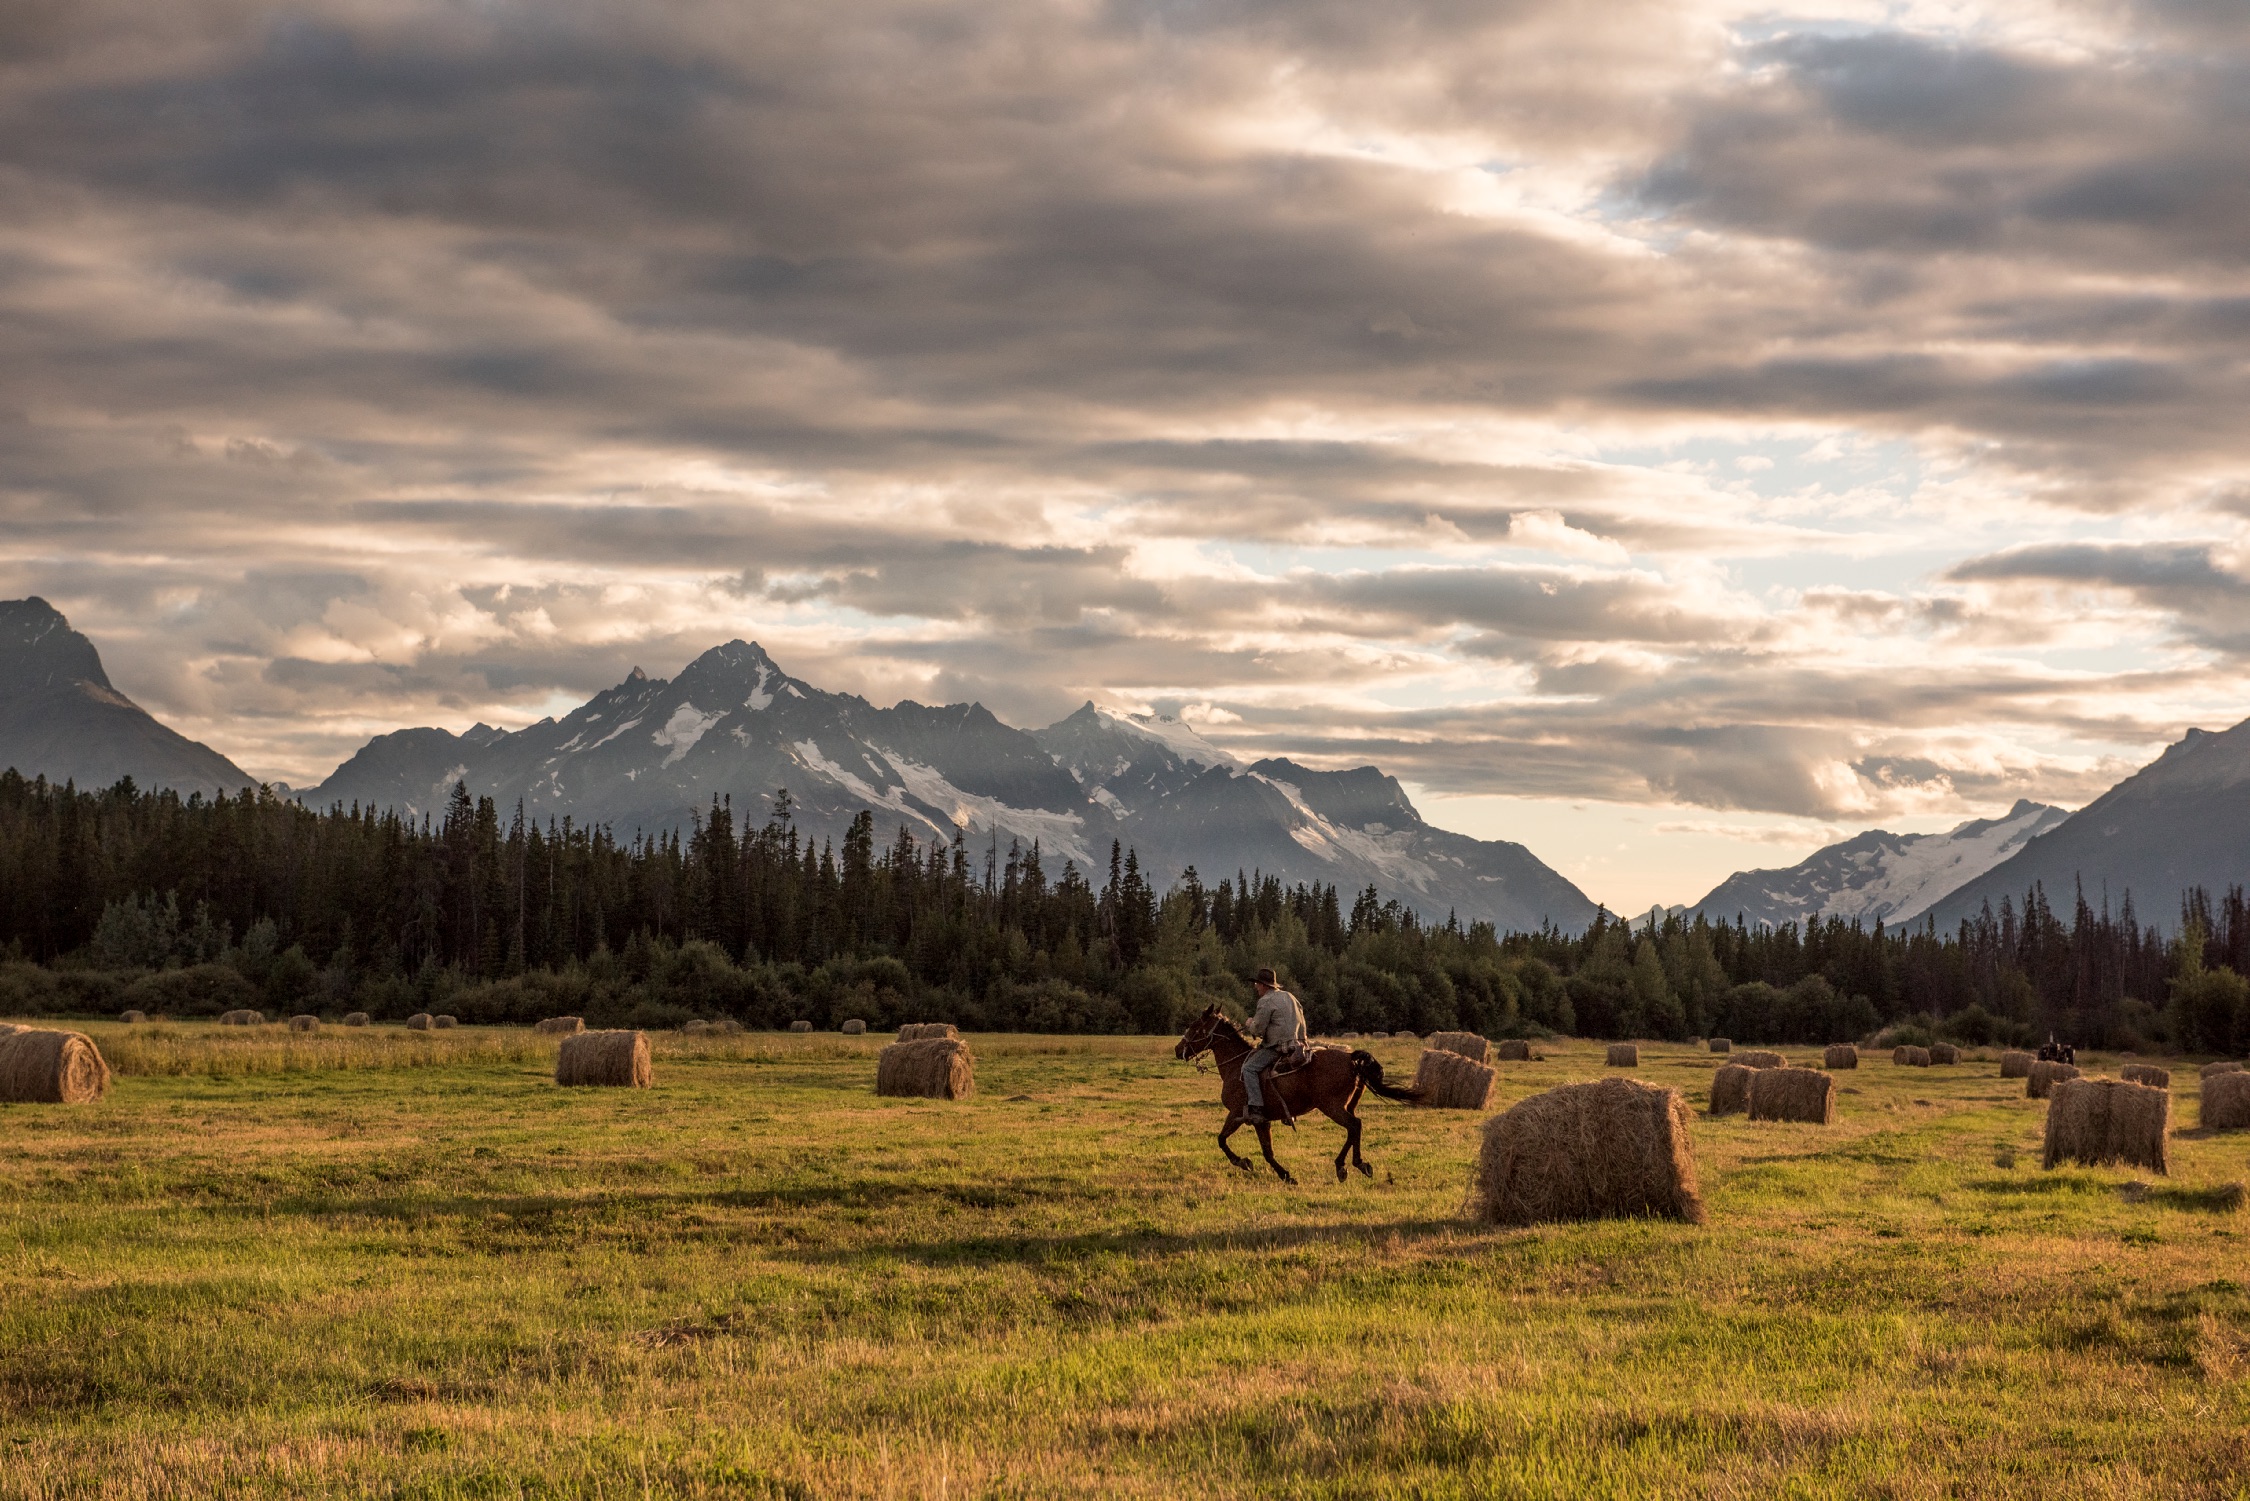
<point x="389" y="1265"/>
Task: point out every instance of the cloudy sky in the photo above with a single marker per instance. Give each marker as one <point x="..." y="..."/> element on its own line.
<point x="1671" y="434"/>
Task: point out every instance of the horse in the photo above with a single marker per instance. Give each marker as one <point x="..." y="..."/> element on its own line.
<point x="1331" y="1084"/>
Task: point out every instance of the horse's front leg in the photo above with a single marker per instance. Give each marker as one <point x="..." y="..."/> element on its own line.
<point x="1234" y="1124"/>
<point x="1265" y="1145"/>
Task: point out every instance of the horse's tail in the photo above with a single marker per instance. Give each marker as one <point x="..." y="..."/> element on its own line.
<point x="1369" y="1072"/>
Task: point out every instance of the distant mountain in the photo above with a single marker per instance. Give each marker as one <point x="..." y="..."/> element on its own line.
<point x="1878" y="875"/>
<point x="650" y="754"/>
<point x="2183" y="820"/>
<point x="60" y="718"/>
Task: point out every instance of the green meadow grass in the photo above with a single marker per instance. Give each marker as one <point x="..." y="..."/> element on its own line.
<point x="400" y="1266"/>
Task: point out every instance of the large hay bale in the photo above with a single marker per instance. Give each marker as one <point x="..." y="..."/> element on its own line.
<point x="2016" y="1064"/>
<point x="1944" y="1052"/>
<point x="1730" y="1088"/>
<point x="1468" y="1044"/>
<point x="2223" y="1066"/>
<point x="1842" y="1055"/>
<point x="800" y="1026"/>
<point x="243" y="1019"/>
<point x="1513" y="1050"/>
<point x="358" y="1019"/>
<point x="695" y="1027"/>
<point x="420" y="1021"/>
<point x="1907" y="1056"/>
<point x="42" y="1067"/>
<point x="1759" y="1059"/>
<point x="2147" y="1073"/>
<point x="304" y="1023"/>
<point x="2225" y="1105"/>
<point x="2044" y="1076"/>
<point x="1622" y="1055"/>
<point x="1452" y="1081"/>
<point x="922" y="1031"/>
<point x="131" y="1018"/>
<point x="930" y="1068"/>
<point x="1792" y="1094"/>
<point x="854" y="1028"/>
<point x="560" y="1026"/>
<point x="1613" y="1149"/>
<point x="444" y="1023"/>
<point x="2104" y="1121"/>
<point x="613" y="1058"/>
<point x="726" y="1026"/>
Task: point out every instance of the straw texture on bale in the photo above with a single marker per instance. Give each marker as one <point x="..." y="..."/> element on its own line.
<point x="2040" y="1083"/>
<point x="1842" y="1055"/>
<point x="2101" y="1121"/>
<point x="445" y="1023"/>
<point x="929" y="1068"/>
<point x="727" y="1026"/>
<point x="922" y="1031"/>
<point x="2015" y="1064"/>
<point x="800" y="1026"/>
<point x="130" y="1017"/>
<point x="695" y="1028"/>
<point x="854" y="1028"/>
<point x="1720" y="1045"/>
<point x="1513" y="1050"/>
<point x="420" y="1021"/>
<point x="2223" y="1066"/>
<point x="1793" y="1094"/>
<point x="1468" y="1044"/>
<point x="243" y="1019"/>
<point x="1730" y="1088"/>
<point x="1612" y="1149"/>
<point x="561" y="1026"/>
<point x="1622" y="1055"/>
<point x="357" y="1019"/>
<point x="1944" y="1052"/>
<point x="613" y="1058"/>
<point x="7" y="1027"/>
<point x="1761" y="1060"/>
<point x="2147" y="1073"/>
<point x="1910" y="1057"/>
<point x="1452" y="1081"/>
<point x="2226" y="1102"/>
<point x="306" y="1023"/>
<point x="40" y="1067"/>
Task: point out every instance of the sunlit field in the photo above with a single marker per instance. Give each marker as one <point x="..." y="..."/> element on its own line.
<point x="392" y="1264"/>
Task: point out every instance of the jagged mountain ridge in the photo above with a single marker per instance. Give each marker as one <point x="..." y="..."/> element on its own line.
<point x="651" y="753"/>
<point x="61" y="718"/>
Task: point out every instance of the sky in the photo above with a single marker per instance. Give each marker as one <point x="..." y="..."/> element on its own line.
<point x="1672" y="435"/>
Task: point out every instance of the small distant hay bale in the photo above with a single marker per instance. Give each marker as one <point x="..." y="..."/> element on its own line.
<point x="2147" y="1073"/>
<point x="695" y="1028"/>
<point x="853" y="1028"/>
<point x="443" y="1023"/>
<point x="1757" y="1059"/>
<point x="1730" y="1088"/>
<point x="1612" y="1149"/>
<point x="42" y="1067"/>
<point x="1623" y="1055"/>
<point x="618" y="1059"/>
<point x="1842" y="1055"/>
<point x="421" y="1021"/>
<point x="928" y="1068"/>
<point x="2223" y="1066"/>
<point x="1906" y="1056"/>
<point x="1793" y="1094"/>
<point x="1514" y="1050"/>
<point x="1944" y="1052"/>
<point x="2226" y="1102"/>
<point x="306" y="1023"/>
<point x="1720" y="1045"/>
<point x="560" y="1026"/>
<point x="1468" y="1044"/>
<point x="800" y="1026"/>
<point x="358" y="1019"/>
<point x="132" y="1017"/>
<point x="1380" y="1036"/>
<point x="726" y="1026"/>
<point x="2040" y="1083"/>
<point x="923" y="1031"/>
<point x="2104" y="1121"/>
<point x="243" y="1019"/>
<point x="2016" y="1064"/>
<point x="1452" y="1081"/>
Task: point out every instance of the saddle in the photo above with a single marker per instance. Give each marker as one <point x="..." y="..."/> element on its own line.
<point x="1290" y="1059"/>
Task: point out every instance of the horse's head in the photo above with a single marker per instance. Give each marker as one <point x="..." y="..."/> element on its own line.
<point x="1197" y="1038"/>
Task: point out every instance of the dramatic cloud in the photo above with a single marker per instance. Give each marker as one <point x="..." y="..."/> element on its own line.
<point x="1832" y="412"/>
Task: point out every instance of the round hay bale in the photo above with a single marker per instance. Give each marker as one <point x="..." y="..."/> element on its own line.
<point x="2147" y="1073"/>
<point x="1944" y="1052"/>
<point x="243" y="1019"/>
<point x="800" y="1026"/>
<point x="2104" y="1121"/>
<point x="2225" y="1105"/>
<point x="1910" y="1057"/>
<point x="2016" y="1064"/>
<point x="1623" y="1055"/>
<point x="2223" y="1066"/>
<point x="921" y="1031"/>
<point x="1405" y="1037"/>
<point x="1720" y="1045"/>
<point x="853" y="1027"/>
<point x="444" y="1023"/>
<point x="618" y="1059"/>
<point x="1468" y="1044"/>
<point x="1514" y="1050"/>
<point x="2044" y="1076"/>
<point x="1730" y="1088"/>
<point x="726" y="1026"/>
<point x="1756" y="1059"/>
<point x="42" y="1067"/>
<point x="132" y="1017"/>
<point x="695" y="1028"/>
<point x="421" y="1021"/>
<point x="929" y="1068"/>
<point x="304" y="1024"/>
<point x="1792" y="1094"/>
<point x="560" y="1026"/>
<point x="358" y="1019"/>
<point x="1612" y="1149"/>
<point x="1452" y="1081"/>
<point x="1380" y="1036"/>
<point x="1842" y="1055"/>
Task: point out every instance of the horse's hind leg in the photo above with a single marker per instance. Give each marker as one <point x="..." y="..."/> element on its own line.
<point x="1351" y="1144"/>
<point x="1234" y="1124"/>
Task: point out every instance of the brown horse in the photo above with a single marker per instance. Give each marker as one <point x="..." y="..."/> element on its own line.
<point x="1330" y="1084"/>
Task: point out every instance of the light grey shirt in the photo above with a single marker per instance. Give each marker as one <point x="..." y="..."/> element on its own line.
<point x="1280" y="1020"/>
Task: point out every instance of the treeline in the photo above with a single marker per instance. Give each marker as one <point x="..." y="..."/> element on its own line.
<point x="185" y="906"/>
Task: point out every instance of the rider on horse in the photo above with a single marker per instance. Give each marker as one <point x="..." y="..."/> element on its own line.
<point x="1277" y="1028"/>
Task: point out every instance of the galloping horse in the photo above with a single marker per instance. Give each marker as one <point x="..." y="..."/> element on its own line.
<point x="1330" y="1084"/>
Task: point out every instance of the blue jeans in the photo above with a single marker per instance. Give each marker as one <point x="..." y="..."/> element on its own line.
<point x="1252" y="1085"/>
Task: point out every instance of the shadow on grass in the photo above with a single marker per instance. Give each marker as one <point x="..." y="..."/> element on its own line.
<point x="1038" y="1250"/>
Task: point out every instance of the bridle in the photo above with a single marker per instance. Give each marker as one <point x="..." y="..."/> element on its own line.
<point x="1200" y="1038"/>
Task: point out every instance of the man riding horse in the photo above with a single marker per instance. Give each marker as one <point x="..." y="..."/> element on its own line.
<point x="1279" y="1030"/>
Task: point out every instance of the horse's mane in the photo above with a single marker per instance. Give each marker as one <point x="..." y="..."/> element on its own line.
<point x="1223" y="1022"/>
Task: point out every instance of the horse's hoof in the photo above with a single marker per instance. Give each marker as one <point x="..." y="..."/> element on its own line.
<point x="1365" y="1170"/>
<point x="1340" y="1174"/>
